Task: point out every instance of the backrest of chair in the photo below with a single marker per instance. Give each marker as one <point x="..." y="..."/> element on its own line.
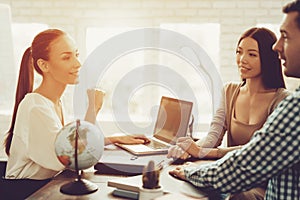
<point x="2" y="168"/>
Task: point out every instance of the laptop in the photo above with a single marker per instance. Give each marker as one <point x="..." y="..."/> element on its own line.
<point x="172" y="122"/>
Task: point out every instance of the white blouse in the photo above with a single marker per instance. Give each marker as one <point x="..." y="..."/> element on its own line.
<point x="32" y="152"/>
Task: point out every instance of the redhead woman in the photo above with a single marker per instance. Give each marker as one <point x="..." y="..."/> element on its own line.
<point x="38" y="114"/>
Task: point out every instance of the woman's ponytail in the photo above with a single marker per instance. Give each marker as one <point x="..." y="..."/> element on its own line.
<point x="39" y="49"/>
<point x="25" y="85"/>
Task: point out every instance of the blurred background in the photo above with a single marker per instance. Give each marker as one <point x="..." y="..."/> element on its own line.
<point x="215" y="25"/>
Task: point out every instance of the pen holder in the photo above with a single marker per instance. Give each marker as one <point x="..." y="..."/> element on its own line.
<point x="151" y="188"/>
<point x="147" y="194"/>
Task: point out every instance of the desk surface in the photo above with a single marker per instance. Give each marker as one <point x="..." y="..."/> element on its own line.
<point x="52" y="189"/>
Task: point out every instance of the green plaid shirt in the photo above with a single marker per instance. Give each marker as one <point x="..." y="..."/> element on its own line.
<point x="273" y="154"/>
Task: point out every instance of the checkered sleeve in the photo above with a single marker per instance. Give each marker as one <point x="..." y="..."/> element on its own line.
<point x="273" y="149"/>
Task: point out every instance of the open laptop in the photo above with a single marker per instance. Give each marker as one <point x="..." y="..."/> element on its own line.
<point x="172" y="122"/>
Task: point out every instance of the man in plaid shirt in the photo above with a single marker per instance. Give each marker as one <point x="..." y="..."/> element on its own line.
<point x="273" y="153"/>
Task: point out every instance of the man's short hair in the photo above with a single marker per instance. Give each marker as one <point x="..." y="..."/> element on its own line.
<point x="291" y="7"/>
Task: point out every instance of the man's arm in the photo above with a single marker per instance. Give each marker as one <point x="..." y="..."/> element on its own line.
<point x="273" y="148"/>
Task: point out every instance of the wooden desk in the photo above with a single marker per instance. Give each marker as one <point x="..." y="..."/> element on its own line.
<point x="52" y="189"/>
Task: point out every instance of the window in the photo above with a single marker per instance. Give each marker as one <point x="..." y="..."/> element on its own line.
<point x="13" y="51"/>
<point x="14" y="39"/>
<point x="143" y="99"/>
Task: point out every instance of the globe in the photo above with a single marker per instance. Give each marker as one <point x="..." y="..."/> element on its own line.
<point x="90" y="145"/>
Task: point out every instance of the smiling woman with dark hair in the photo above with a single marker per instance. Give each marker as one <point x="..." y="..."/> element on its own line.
<point x="272" y="154"/>
<point x="245" y="106"/>
<point x="271" y="70"/>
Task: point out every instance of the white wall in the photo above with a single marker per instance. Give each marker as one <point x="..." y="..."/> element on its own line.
<point x="234" y="16"/>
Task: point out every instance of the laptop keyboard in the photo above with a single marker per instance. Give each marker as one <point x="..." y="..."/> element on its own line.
<point x="157" y="145"/>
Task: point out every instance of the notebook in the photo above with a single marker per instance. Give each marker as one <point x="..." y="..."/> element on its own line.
<point x="119" y="162"/>
<point x="172" y="122"/>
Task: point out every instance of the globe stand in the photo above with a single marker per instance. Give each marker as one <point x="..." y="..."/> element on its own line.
<point x="79" y="186"/>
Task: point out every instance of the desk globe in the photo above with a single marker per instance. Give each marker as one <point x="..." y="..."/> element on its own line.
<point x="79" y="145"/>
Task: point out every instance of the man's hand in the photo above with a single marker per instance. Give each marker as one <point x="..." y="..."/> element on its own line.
<point x="178" y="172"/>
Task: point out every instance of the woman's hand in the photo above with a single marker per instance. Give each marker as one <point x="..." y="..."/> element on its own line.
<point x="185" y="146"/>
<point x="177" y="152"/>
<point x="128" y="139"/>
<point x="95" y="98"/>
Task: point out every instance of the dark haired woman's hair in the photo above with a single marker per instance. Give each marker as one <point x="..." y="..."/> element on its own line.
<point x="40" y="48"/>
<point x="271" y="69"/>
<point x="291" y="7"/>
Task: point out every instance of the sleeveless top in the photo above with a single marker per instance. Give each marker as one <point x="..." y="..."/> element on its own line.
<point x="224" y="120"/>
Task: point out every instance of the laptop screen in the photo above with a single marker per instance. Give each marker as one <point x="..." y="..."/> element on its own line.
<point x="172" y="119"/>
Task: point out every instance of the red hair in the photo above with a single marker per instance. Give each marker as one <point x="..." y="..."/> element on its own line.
<point x="39" y="49"/>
